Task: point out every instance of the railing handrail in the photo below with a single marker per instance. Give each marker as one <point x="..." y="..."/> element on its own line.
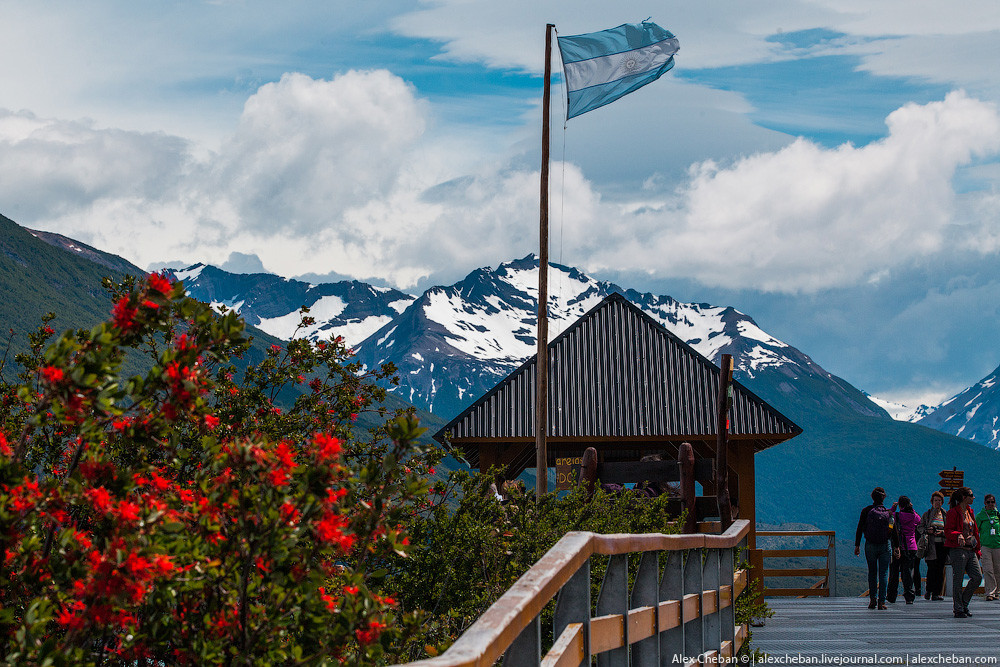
<point x="487" y="639"/>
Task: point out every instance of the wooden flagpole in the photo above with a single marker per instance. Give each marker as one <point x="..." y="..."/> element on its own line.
<point x="542" y="357"/>
<point x="722" y="442"/>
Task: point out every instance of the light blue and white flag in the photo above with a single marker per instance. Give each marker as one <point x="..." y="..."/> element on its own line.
<point x="602" y="66"/>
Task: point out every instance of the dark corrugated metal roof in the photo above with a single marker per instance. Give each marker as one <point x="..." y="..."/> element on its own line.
<point x="617" y="374"/>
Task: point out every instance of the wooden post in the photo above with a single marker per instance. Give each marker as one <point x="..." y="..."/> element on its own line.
<point x="685" y="459"/>
<point x="746" y="477"/>
<point x="722" y="446"/>
<point x="542" y="359"/>
<point x="588" y="470"/>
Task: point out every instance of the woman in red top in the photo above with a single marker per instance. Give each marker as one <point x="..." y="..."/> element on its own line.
<point x="961" y="536"/>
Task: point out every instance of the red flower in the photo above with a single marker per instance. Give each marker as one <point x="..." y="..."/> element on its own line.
<point x="125" y="315"/>
<point x="331" y="529"/>
<point x="70" y="620"/>
<point x="5" y="447"/>
<point x="159" y="483"/>
<point x="128" y="511"/>
<point x="278" y="477"/>
<point x="327" y="447"/>
<point x="211" y="421"/>
<point x="370" y="634"/>
<point x="163" y="564"/>
<point x="100" y="498"/>
<point x="289" y="513"/>
<point x="159" y="283"/>
<point x="52" y="374"/>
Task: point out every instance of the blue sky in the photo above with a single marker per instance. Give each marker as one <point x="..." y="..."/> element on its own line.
<point x="830" y="168"/>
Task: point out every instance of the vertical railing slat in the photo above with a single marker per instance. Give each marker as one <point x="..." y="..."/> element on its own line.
<point x="831" y="566"/>
<point x="712" y="622"/>
<point x="694" y="635"/>
<point x="526" y="649"/>
<point x="573" y="606"/>
<point x="646" y="653"/>
<point x="613" y="599"/>
<point x="672" y="588"/>
<point x="727" y="572"/>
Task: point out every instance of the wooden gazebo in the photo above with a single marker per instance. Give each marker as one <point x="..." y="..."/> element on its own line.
<point x="622" y="383"/>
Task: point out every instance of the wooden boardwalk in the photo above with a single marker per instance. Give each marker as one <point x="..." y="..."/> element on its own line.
<point x="844" y="631"/>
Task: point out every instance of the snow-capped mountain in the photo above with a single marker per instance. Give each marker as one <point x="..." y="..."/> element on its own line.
<point x="454" y="343"/>
<point x="900" y="411"/>
<point x="971" y="414"/>
<point x="271" y="303"/>
<point x="451" y="344"/>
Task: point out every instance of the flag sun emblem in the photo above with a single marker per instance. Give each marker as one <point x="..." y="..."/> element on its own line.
<point x="629" y="64"/>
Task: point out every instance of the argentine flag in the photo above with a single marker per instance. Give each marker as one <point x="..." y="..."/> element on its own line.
<point x="602" y="66"/>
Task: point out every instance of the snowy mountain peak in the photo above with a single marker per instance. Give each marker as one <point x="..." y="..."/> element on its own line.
<point x="454" y="343"/>
<point x="973" y="413"/>
<point x="899" y="411"/>
<point x="351" y="309"/>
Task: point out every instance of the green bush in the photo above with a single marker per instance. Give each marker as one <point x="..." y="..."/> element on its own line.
<point x="181" y="516"/>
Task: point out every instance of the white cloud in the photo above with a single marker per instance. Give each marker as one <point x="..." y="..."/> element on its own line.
<point x="50" y="167"/>
<point x="307" y="150"/>
<point x="511" y="34"/>
<point x="805" y="218"/>
<point x="336" y="175"/>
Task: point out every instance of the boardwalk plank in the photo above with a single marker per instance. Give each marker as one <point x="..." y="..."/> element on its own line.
<point x="828" y="629"/>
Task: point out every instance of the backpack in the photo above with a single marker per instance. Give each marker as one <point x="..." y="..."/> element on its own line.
<point x="877" y="525"/>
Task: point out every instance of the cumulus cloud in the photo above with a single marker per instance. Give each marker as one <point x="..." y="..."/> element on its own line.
<point x="805" y="218"/>
<point x="50" y="167"/>
<point x="337" y="175"/>
<point x="306" y="150"/>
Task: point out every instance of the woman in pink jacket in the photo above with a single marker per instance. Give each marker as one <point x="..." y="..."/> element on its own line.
<point x="906" y="527"/>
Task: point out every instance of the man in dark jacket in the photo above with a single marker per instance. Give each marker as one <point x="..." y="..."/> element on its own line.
<point x="875" y="524"/>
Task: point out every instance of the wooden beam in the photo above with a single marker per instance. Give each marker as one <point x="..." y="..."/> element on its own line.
<point x="641" y="623"/>
<point x="798" y="572"/>
<point x="670" y="615"/>
<point x="691" y="607"/>
<point x="793" y="553"/>
<point x="606" y="633"/>
<point x="799" y="592"/>
<point x="567" y="651"/>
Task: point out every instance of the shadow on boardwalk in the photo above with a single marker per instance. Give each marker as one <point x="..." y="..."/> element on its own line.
<point x="844" y="631"/>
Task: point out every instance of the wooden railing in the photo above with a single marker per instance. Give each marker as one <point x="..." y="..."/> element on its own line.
<point x="825" y="587"/>
<point x="688" y="612"/>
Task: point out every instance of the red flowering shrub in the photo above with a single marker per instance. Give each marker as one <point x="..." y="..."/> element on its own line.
<point x="182" y="516"/>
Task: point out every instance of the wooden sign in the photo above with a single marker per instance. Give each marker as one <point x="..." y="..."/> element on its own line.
<point x="565" y="475"/>
<point x="951" y="480"/>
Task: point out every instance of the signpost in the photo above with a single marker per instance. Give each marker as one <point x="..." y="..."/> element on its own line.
<point x="951" y="480"/>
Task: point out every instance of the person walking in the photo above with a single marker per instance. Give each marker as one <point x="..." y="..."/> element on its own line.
<point x="961" y="536"/>
<point x="988" y="522"/>
<point x="932" y="525"/>
<point x="874" y="524"/>
<point x="906" y="522"/>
